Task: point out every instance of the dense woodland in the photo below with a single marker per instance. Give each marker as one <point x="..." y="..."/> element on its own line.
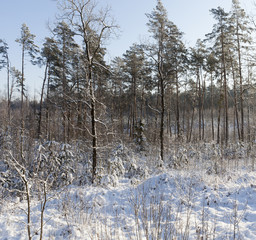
<point x="157" y="94"/>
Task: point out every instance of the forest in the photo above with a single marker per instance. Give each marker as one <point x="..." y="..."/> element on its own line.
<point x="153" y="116"/>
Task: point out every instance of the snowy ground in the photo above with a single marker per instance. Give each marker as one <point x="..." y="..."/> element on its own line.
<point x="192" y="203"/>
<point x="172" y="205"/>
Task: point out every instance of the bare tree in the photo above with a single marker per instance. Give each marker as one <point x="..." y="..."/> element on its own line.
<point x="94" y="27"/>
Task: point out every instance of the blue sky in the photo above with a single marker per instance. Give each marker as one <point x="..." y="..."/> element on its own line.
<point x="191" y="16"/>
<point x="36" y="14"/>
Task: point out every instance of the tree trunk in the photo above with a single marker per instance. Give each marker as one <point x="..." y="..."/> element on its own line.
<point x="248" y="107"/>
<point x="8" y="92"/>
<point x="212" y="120"/>
<point x="41" y="103"/>
<point x="22" y="102"/>
<point x="162" y="120"/>
<point x="192" y="122"/>
<point x="199" y="105"/>
<point x="93" y="125"/>
<point x="225" y="85"/>
<point x="240" y="80"/>
<point x="202" y="110"/>
<point x="48" y="126"/>
<point x="219" y="113"/>
<point x="177" y="106"/>
<point x="134" y="112"/>
<point x="28" y="208"/>
<point x="236" y="117"/>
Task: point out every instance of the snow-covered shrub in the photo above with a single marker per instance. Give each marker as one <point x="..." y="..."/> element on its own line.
<point x="112" y="169"/>
<point x="140" y="138"/>
<point x="121" y="162"/>
<point x="179" y="159"/>
<point x="109" y="180"/>
<point x="54" y="161"/>
<point x="9" y="179"/>
<point x="136" y="170"/>
<point x="115" y="166"/>
<point x="133" y="165"/>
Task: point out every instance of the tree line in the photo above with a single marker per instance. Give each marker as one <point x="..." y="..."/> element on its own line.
<point x="156" y="93"/>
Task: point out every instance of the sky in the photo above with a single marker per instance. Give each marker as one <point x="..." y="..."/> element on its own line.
<point x="192" y="17"/>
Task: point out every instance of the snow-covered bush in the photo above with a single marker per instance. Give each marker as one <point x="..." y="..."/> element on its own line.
<point x="9" y="179"/>
<point x="109" y="180"/>
<point x="115" y="166"/>
<point x="140" y="138"/>
<point x="179" y="159"/>
<point x="121" y="162"/>
<point x="112" y="168"/>
<point x="54" y="161"/>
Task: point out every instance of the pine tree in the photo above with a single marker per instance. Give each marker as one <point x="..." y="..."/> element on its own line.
<point x="61" y="81"/>
<point x="136" y="73"/>
<point x="221" y="36"/>
<point x="211" y="68"/>
<point x="197" y="62"/>
<point x="168" y="54"/>
<point x="28" y="46"/>
<point x="241" y="30"/>
<point x="5" y="63"/>
<point x="175" y="55"/>
<point x="158" y="25"/>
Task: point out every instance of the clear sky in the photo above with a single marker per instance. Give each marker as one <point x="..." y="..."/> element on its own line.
<point x="36" y="14"/>
<point x="191" y="16"/>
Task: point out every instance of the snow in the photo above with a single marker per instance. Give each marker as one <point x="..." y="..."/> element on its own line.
<point x="191" y="203"/>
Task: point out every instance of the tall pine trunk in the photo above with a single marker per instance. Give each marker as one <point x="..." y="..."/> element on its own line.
<point x="240" y="80"/>
<point x="212" y="119"/>
<point x="41" y="102"/>
<point x="225" y="86"/>
<point x="22" y="103"/>
<point x="93" y="124"/>
<point x="177" y="106"/>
